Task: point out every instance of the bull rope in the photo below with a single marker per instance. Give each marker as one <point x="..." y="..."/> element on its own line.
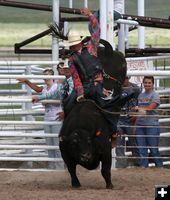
<point x="125" y="113"/>
<point x="103" y="110"/>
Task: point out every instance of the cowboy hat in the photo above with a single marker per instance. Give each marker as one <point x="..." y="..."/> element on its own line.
<point x="73" y="40"/>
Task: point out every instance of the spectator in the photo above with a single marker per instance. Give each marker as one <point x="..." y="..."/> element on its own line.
<point x="125" y="122"/>
<point x="51" y="112"/>
<point x="148" y="102"/>
<point x="65" y="89"/>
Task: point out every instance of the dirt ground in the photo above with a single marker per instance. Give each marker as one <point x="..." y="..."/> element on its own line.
<point x="129" y="184"/>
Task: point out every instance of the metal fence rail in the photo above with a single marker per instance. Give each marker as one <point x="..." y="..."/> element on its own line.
<point x="24" y="140"/>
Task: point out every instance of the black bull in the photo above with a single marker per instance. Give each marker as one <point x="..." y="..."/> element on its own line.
<point x="85" y="140"/>
<point x="85" y="134"/>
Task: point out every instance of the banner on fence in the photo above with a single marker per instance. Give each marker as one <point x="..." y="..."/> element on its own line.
<point x="139" y="65"/>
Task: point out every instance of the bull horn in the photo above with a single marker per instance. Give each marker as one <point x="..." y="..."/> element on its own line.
<point x="61" y="139"/>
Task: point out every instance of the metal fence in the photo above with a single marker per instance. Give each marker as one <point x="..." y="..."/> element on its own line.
<point x="22" y="137"/>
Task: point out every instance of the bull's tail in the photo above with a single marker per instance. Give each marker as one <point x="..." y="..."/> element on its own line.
<point x="58" y="31"/>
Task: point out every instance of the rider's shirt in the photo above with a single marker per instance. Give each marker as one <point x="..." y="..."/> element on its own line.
<point x="91" y="46"/>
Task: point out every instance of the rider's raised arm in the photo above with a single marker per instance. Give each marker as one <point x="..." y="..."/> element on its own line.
<point x="94" y="29"/>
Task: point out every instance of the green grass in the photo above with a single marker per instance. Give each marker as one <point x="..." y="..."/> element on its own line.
<point x="17" y="24"/>
<point x="153" y="37"/>
<point x="165" y="83"/>
<point x="10" y="86"/>
<point x="153" y="8"/>
<point x="12" y="33"/>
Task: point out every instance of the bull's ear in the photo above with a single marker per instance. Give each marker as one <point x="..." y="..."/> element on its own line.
<point x="98" y="133"/>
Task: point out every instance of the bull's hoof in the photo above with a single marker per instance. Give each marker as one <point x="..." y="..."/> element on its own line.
<point x="77" y="185"/>
<point x="110" y="186"/>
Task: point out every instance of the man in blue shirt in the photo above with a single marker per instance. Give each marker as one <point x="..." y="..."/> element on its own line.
<point x="124" y="124"/>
